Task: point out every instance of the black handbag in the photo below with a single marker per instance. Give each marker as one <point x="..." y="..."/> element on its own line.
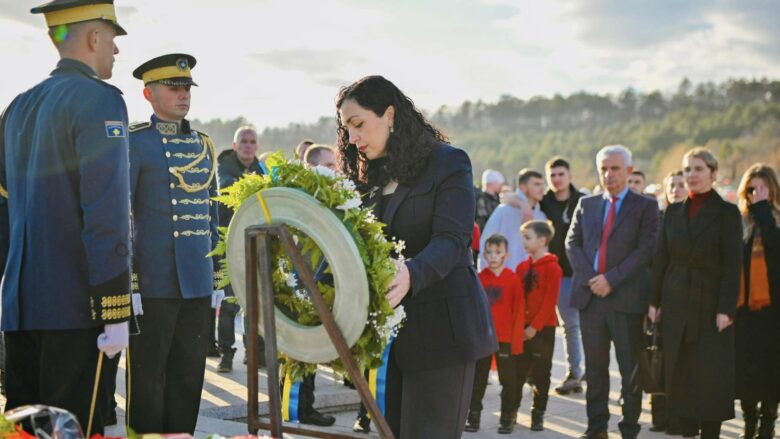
<point x="649" y="371"/>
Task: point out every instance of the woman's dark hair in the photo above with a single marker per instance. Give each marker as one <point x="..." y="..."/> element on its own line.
<point x="408" y="147"/>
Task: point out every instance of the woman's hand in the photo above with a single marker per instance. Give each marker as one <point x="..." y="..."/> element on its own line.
<point x="530" y="332"/>
<point x="654" y="314"/>
<point x="760" y="193"/>
<point x="400" y="285"/>
<point x="723" y="321"/>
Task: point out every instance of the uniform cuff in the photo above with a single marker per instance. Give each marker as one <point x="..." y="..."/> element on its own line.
<point x="110" y="301"/>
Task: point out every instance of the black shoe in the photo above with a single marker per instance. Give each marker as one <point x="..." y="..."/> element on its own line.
<point x="317" y="418"/>
<point x="472" y="422"/>
<point x="537" y="420"/>
<point x="226" y="363"/>
<point x="658" y="428"/>
<point x="362" y="425"/>
<point x="506" y="423"/>
<point x="110" y="418"/>
<point x="595" y="435"/>
<point x="213" y="351"/>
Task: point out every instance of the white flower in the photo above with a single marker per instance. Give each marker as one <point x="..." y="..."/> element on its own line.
<point x="370" y="217"/>
<point x="322" y="170"/>
<point x="400" y="246"/>
<point x="290" y="280"/>
<point x="347" y="184"/>
<point x="397" y="318"/>
<point x="350" y="204"/>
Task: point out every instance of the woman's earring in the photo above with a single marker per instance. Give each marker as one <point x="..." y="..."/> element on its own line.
<point x="391" y="130"/>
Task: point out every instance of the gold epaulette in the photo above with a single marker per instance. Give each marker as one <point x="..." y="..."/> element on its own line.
<point x="138" y="126"/>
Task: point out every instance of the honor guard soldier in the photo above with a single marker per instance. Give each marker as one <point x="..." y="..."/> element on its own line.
<point x="172" y="182"/>
<point x="64" y="217"/>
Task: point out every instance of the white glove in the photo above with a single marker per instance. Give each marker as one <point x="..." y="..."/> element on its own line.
<point x="138" y="307"/>
<point x="216" y="298"/>
<point x="114" y="339"/>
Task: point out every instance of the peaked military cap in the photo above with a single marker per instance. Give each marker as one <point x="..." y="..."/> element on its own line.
<point x="59" y="12"/>
<point x="172" y="69"/>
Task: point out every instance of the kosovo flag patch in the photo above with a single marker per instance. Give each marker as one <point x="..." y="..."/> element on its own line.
<point x="115" y="129"/>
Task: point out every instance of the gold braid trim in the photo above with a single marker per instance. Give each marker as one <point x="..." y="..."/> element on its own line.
<point x="3" y="192"/>
<point x="195" y="201"/>
<point x="195" y="233"/>
<point x="208" y="147"/>
<point x="199" y="216"/>
<point x="185" y="155"/>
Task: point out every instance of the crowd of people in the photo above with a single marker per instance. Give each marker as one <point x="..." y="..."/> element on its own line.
<point x="626" y="259"/>
<point x="122" y="216"/>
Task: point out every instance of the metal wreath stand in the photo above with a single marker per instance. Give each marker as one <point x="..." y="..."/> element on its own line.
<point x="259" y="289"/>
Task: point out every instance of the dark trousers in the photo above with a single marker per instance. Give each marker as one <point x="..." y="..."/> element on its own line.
<point x="226" y="330"/>
<point x="601" y="327"/>
<point x="226" y="327"/>
<point x="429" y="404"/>
<point x="110" y="369"/>
<point x="693" y="427"/>
<point x="536" y="360"/>
<point x="167" y="365"/>
<point x="55" y="368"/>
<point x="506" y="363"/>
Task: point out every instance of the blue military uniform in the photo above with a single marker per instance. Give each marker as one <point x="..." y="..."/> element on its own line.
<point x="172" y="183"/>
<point x="174" y="228"/>
<point x="64" y="225"/>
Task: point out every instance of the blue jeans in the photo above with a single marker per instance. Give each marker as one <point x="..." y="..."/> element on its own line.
<point x="571" y="327"/>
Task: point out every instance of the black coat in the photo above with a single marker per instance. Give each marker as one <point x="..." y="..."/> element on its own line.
<point x="758" y="332"/>
<point x="696" y="276"/>
<point x="448" y="318"/>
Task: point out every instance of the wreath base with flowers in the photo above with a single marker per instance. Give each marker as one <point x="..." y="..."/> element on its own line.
<point x="338" y="195"/>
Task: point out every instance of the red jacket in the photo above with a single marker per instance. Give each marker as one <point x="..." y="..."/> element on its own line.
<point x="507" y="305"/>
<point x="541" y="300"/>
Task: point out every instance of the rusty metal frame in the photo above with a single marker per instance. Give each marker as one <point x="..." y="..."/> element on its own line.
<point x="257" y="244"/>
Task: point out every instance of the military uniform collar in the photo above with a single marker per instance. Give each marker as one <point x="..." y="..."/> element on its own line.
<point x="72" y="64"/>
<point x="171" y="128"/>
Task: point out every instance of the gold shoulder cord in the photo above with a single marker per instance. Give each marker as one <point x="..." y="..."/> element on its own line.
<point x="3" y="192"/>
<point x="208" y="147"/>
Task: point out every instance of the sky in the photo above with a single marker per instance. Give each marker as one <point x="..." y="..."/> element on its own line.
<point x="278" y="62"/>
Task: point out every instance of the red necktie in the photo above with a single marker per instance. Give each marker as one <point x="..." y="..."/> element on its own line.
<point x="605" y="236"/>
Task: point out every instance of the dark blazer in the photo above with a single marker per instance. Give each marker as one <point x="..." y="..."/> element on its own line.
<point x="696" y="275"/>
<point x="629" y="250"/>
<point x="448" y="317"/>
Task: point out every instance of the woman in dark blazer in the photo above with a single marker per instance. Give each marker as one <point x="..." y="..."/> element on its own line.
<point x="695" y="285"/>
<point x="422" y="189"/>
<point x="757" y="324"/>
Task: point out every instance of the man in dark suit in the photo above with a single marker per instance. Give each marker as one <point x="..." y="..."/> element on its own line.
<point x="610" y="245"/>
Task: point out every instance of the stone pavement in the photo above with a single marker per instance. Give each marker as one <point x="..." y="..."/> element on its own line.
<point x="223" y="405"/>
<point x="224" y="402"/>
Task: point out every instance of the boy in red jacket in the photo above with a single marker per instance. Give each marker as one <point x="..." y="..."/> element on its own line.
<point x="540" y="280"/>
<point x="502" y="288"/>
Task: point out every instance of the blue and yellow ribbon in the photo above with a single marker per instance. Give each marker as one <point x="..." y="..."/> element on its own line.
<point x="290" y="398"/>
<point x="377" y="379"/>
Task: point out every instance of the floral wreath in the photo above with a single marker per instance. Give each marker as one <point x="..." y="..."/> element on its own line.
<point x="340" y="195"/>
